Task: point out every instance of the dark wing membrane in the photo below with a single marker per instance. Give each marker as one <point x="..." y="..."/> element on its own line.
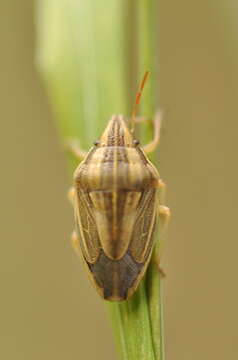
<point x="142" y="237"/>
<point x="115" y="277"/>
<point x="86" y="227"/>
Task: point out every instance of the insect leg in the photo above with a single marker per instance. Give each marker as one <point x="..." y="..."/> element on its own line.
<point x="71" y="194"/>
<point x="75" y="244"/>
<point x="74" y="238"/>
<point x="148" y="148"/>
<point x="162" y="190"/>
<point x="140" y="119"/>
<point x="164" y="216"/>
<point x="73" y="146"/>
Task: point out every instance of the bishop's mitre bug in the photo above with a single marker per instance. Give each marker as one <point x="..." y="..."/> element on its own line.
<point x="116" y="199"/>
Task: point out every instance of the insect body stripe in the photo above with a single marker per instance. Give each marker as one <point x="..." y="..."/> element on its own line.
<point x="114" y="195"/>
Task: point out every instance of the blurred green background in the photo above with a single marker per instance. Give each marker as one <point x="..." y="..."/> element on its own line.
<point x="48" y="309"/>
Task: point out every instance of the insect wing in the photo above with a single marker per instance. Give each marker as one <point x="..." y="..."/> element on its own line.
<point x="142" y="238"/>
<point x="86" y="227"/>
<point x="117" y="279"/>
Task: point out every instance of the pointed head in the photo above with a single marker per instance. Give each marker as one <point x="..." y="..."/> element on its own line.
<point x="117" y="133"/>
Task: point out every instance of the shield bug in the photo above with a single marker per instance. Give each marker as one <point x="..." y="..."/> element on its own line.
<point x="117" y="204"/>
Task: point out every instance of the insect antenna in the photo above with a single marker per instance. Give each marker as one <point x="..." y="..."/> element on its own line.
<point x="137" y="101"/>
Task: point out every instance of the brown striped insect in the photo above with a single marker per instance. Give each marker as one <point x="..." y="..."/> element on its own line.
<point x="116" y="199"/>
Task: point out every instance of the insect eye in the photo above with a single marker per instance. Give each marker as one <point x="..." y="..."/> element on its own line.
<point x="136" y="142"/>
<point x="96" y="143"/>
